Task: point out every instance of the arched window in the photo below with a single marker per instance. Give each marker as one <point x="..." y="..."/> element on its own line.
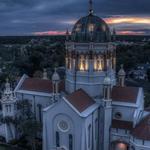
<point x="89" y="136"/>
<point x="132" y="148"/>
<point x="91" y="27"/>
<point x="118" y="115"/>
<point x="70" y="142"/>
<point x="83" y="63"/>
<point x="121" y="146"/>
<point x="40" y="112"/>
<point x="98" y="63"/>
<point x="57" y="139"/>
<point x="96" y="129"/>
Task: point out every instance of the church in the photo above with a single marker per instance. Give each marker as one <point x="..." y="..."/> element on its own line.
<point x="95" y="111"/>
<point x="92" y="109"/>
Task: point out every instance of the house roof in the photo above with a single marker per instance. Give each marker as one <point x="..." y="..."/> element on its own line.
<point x="121" y="124"/>
<point x="39" y="85"/>
<point x="142" y="129"/>
<point x="125" y="94"/>
<point x="80" y="100"/>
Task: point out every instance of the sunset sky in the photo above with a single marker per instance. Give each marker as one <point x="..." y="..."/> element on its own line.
<point x="51" y="17"/>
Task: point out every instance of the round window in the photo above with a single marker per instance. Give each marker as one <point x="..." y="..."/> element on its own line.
<point x="118" y="115"/>
<point x="63" y="148"/>
<point x="63" y="126"/>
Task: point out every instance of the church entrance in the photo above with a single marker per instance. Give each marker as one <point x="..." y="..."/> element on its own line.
<point x="117" y="145"/>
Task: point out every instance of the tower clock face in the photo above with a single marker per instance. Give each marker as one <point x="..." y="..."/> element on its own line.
<point x="63" y="126"/>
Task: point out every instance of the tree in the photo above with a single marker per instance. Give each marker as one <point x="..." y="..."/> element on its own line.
<point x="148" y="74"/>
<point x="26" y="123"/>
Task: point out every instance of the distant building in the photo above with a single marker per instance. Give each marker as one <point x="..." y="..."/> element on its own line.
<point x="140" y="72"/>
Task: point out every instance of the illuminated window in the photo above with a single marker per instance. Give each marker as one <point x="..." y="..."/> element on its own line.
<point x="91" y="27"/>
<point x="83" y="63"/>
<point x="78" y="28"/>
<point x="98" y="63"/>
<point x="68" y="62"/>
<point x="104" y="28"/>
<point x="108" y="63"/>
<point x="121" y="146"/>
<point x="114" y="62"/>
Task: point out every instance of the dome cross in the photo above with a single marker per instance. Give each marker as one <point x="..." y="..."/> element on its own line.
<point x="90" y="7"/>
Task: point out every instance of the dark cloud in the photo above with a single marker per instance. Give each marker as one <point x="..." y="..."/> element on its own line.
<point x="28" y="16"/>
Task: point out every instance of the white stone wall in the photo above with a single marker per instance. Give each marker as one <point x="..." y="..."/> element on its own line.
<point x="36" y="99"/>
<point x="78" y="127"/>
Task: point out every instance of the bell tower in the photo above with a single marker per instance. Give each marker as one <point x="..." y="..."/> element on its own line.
<point x="89" y="55"/>
<point x="9" y="111"/>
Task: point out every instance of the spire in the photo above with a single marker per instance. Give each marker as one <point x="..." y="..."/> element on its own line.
<point x="114" y="34"/>
<point x="55" y="81"/>
<point x="121" y="76"/>
<point x="7" y="86"/>
<point x="90" y="7"/>
<point x="107" y="88"/>
<point x="67" y="35"/>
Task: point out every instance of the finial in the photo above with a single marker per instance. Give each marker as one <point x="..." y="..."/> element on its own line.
<point x="45" y="77"/>
<point x="67" y="34"/>
<point x="55" y="76"/>
<point x="121" y="71"/>
<point x="114" y="34"/>
<point x="121" y="66"/>
<point x="114" y="30"/>
<point x="90" y="7"/>
<point x="7" y="85"/>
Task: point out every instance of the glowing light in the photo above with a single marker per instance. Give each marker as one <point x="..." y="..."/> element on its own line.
<point x="121" y="146"/>
<point x="78" y="27"/>
<point x="83" y="64"/>
<point x="50" y="33"/>
<point x="98" y="64"/>
<point x="130" y="20"/>
<point x="91" y="28"/>
<point x="130" y="32"/>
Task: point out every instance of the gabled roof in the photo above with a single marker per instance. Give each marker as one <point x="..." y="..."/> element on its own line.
<point x="39" y="85"/>
<point x="125" y="94"/>
<point x="121" y="124"/>
<point x="80" y="100"/>
<point x="142" y="130"/>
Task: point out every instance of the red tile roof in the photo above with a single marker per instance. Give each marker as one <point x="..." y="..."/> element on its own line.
<point x="142" y="130"/>
<point x="80" y="100"/>
<point x="39" y="85"/>
<point x="125" y="94"/>
<point x="121" y="124"/>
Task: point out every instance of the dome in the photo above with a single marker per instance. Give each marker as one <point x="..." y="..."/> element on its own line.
<point x="107" y="80"/>
<point x="91" y="29"/>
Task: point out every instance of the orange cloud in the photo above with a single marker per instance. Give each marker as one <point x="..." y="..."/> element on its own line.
<point x="50" y="33"/>
<point x="130" y="20"/>
<point x="130" y="32"/>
